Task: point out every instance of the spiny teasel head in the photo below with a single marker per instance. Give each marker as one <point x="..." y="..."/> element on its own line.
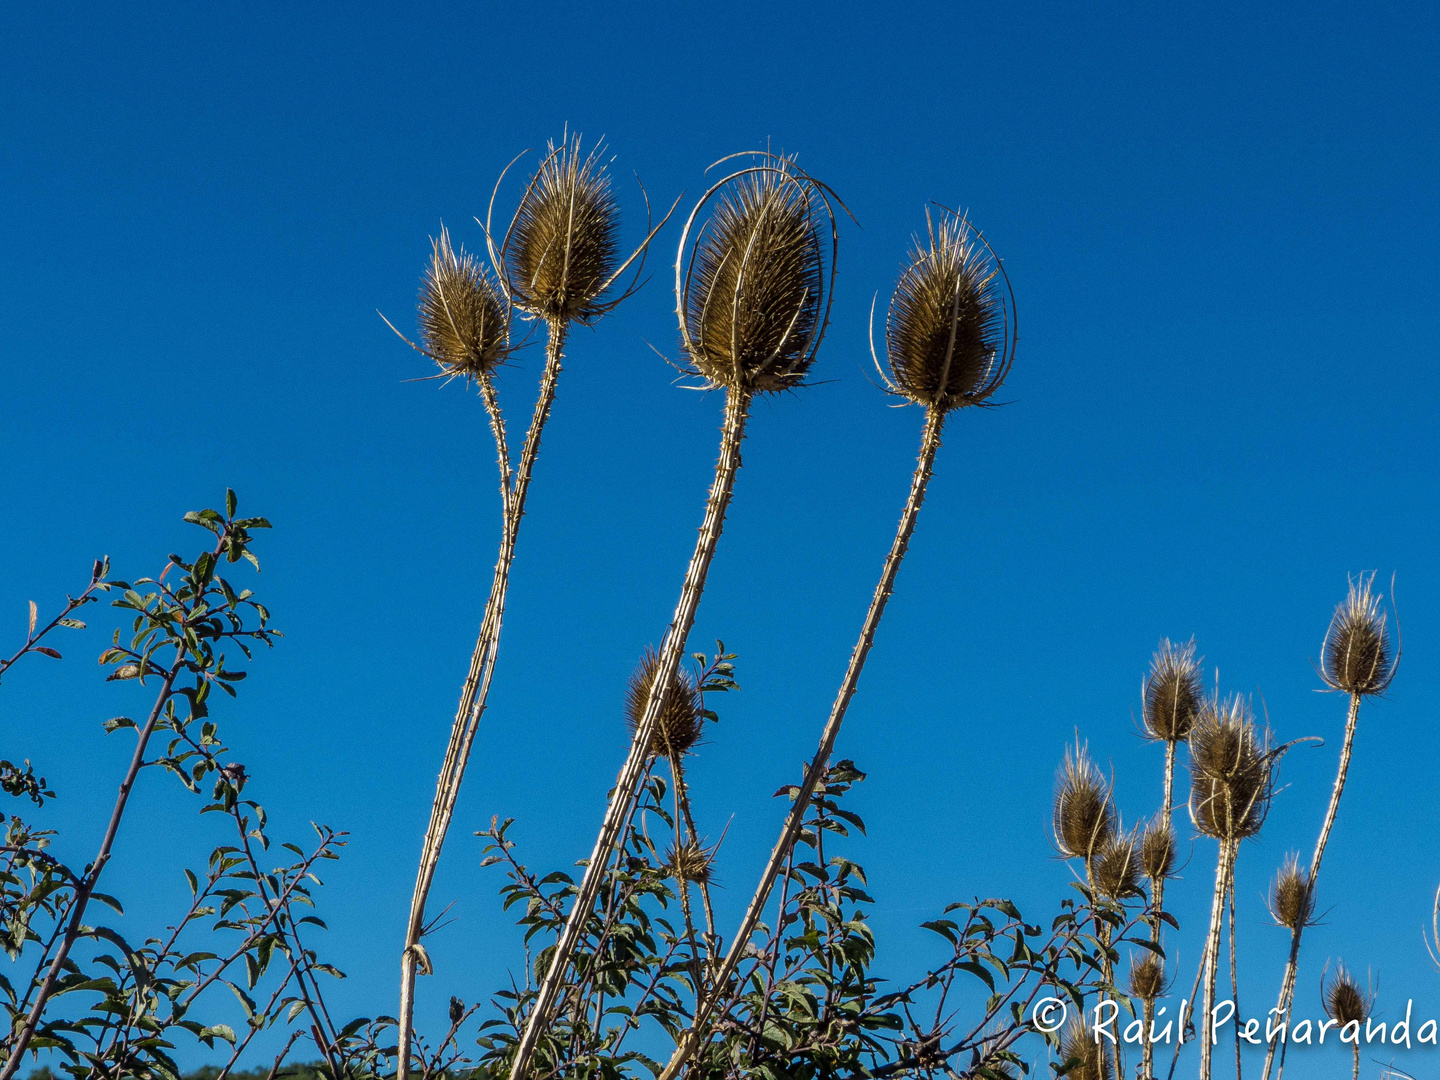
<point x="561" y="250"/>
<point x="1084" y="819"/>
<point x="1157" y="850"/>
<point x="678" y="726"/>
<point x="1345" y="1002"/>
<point x="1231" y="771"/>
<point x="1147" y="976"/>
<point x="948" y="338"/>
<point x="1078" y="1044"/>
<point x="753" y="291"/>
<point x="1172" y="692"/>
<point x="1291" y="903"/>
<point x="1115" y="867"/>
<point x="1356" y="656"/>
<point x="690" y="861"/>
<point x="463" y="320"/>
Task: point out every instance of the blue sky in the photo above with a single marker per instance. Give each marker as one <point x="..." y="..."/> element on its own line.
<point x="1221" y="227"/>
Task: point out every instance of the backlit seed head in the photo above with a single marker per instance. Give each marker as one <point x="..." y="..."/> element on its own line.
<point x="1291" y="902"/>
<point x="1115" y="868"/>
<point x="1345" y="1002"/>
<point x="562" y="247"/>
<point x="462" y="318"/>
<point x="947" y="333"/>
<point x="754" y="289"/>
<point x="1356" y="652"/>
<point x="1172" y="692"/>
<point x="1147" y="976"/>
<point x="1231" y="771"/>
<point x="690" y="861"/>
<point x="678" y="726"/>
<point x="1078" y="1044"/>
<point x="1157" y="850"/>
<point x="1084" y="820"/>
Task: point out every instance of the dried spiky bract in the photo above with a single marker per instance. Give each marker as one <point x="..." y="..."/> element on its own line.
<point x="678" y="726"/>
<point x="563" y="243"/>
<point x="1231" y="771"/>
<point x="1356" y="653"/>
<point x="1157" y="850"/>
<point x="946" y="332"/>
<point x="1147" y="976"/>
<point x="1115" y="868"/>
<point x="1078" y="1044"/>
<point x="1291" y="902"/>
<point x="753" y="300"/>
<point x="1084" y="819"/>
<point x="1172" y="692"/>
<point x="462" y="318"/>
<point x="690" y="861"/>
<point x="1345" y="1002"/>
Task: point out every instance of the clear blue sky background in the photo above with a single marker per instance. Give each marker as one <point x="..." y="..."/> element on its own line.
<point x="1221" y="224"/>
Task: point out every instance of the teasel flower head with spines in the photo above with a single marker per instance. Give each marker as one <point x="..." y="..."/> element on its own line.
<point x="1147" y="976"/>
<point x="1115" y="867"/>
<point x="1157" y="850"/>
<point x="754" y="286"/>
<point x="1079" y="1045"/>
<point x="1344" y="1001"/>
<point x="950" y="328"/>
<point x="1356" y="655"/>
<point x="678" y="727"/>
<point x="1084" y="819"/>
<point x="1292" y="904"/>
<point x="1173" y="692"/>
<point x="464" y="320"/>
<point x="1232" y="771"/>
<point x="690" y="861"/>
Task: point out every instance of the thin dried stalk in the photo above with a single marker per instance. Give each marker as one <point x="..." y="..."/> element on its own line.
<point x="929" y="444"/>
<point x="1147" y="1049"/>
<point x="1224" y="867"/>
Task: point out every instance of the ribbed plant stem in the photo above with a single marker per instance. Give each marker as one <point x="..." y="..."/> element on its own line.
<point x="1147" y="1049"/>
<point x="476" y="690"/>
<point x="1287" y="984"/>
<point x="737" y="408"/>
<point x="929" y="444"/>
<point x="1223" y="864"/>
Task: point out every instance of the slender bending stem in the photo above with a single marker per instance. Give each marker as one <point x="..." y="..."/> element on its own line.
<point x="473" y="695"/>
<point x="1287" y="984"/>
<point x="1147" y="1049"/>
<point x="737" y="408"/>
<point x="929" y="444"/>
<point x="1234" y="976"/>
<point x="1223" y="865"/>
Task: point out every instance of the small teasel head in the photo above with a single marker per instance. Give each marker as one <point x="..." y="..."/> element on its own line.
<point x="1115" y="868"/>
<point x="1157" y="850"/>
<point x="1345" y="1002"/>
<point x="1291" y="902"/>
<point x="1231" y="771"/>
<point x="678" y="727"/>
<point x="690" y="862"/>
<point x="753" y="289"/>
<point x="1173" y="692"/>
<point x="948" y="333"/>
<point x="1084" y="819"/>
<point x="1356" y="656"/>
<point x="1078" y="1044"/>
<point x="1147" y="976"/>
<point x="464" y="323"/>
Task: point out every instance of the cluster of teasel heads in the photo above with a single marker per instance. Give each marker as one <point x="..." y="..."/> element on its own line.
<point x="1232" y="764"/>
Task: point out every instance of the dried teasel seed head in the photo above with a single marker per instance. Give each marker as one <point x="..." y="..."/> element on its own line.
<point x="562" y="247"/>
<point x="1291" y="902"/>
<point x="678" y="726"/>
<point x="1231" y="771"/>
<point x="1345" y="1002"/>
<point x="1147" y="976"/>
<point x="462" y="318"/>
<point x="1172" y="692"/>
<point x="1078" y="1044"/>
<point x="754" y="292"/>
<point x="1356" y="656"/>
<point x="1157" y="850"/>
<point x="1115" y="868"/>
<point x="1084" y="819"/>
<point x="947" y="333"/>
<point x="690" y="861"/>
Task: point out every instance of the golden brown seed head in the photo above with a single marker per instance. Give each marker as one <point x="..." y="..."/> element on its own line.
<point x="1115" y="868"/>
<point x="1078" y="1044"/>
<point x="1231" y="771"/>
<point x="1291" y="902"/>
<point x="1147" y="976"/>
<point x="678" y="726"/>
<point x="1157" y="850"/>
<point x="690" y="861"/>
<point x="1356" y="652"/>
<point x="563" y="242"/>
<point x="1345" y="1002"/>
<point x="753" y="300"/>
<point x="946" y="333"/>
<point x="1172" y="692"/>
<point x="462" y="318"/>
<point x="1084" y="820"/>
